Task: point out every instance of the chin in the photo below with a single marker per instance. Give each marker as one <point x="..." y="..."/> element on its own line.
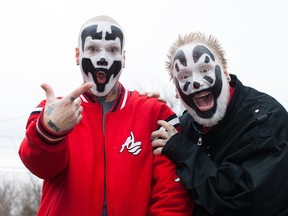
<point x="222" y="103"/>
<point x="207" y="122"/>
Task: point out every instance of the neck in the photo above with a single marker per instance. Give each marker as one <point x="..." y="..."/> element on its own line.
<point x="112" y="95"/>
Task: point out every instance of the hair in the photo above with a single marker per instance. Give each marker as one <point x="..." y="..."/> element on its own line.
<point x="193" y="37"/>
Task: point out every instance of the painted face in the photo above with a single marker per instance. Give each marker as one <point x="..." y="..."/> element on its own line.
<point x="101" y="55"/>
<point x="201" y="83"/>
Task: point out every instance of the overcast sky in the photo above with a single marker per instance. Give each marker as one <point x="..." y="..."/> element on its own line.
<point x="38" y="39"/>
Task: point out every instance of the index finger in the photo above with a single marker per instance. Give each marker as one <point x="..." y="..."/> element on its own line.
<point x="78" y="91"/>
<point x="168" y="127"/>
<point x="164" y="124"/>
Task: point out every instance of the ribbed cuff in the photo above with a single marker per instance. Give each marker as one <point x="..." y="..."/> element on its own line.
<point x="47" y="135"/>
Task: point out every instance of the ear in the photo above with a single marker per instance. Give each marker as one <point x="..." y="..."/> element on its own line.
<point x="124" y="58"/>
<point x="227" y="75"/>
<point x="77" y="55"/>
<point x="176" y="96"/>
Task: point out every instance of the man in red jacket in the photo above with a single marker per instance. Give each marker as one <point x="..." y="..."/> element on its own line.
<point x="92" y="147"/>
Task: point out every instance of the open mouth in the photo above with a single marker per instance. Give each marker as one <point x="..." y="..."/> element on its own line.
<point x="101" y="77"/>
<point x="204" y="101"/>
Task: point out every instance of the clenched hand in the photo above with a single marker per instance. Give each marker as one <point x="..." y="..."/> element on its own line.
<point x="63" y="114"/>
<point x="160" y="137"/>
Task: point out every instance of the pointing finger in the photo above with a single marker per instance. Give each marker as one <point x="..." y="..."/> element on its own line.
<point x="78" y="91"/>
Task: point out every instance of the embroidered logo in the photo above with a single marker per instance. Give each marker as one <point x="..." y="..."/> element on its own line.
<point x="131" y="146"/>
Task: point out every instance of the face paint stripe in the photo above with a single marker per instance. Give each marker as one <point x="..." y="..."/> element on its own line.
<point x="177" y="67"/>
<point x="209" y="79"/>
<point x="88" y="67"/>
<point x="181" y="57"/>
<point x="186" y="86"/>
<point x="199" y="50"/>
<point x="218" y="85"/>
<point x="90" y="31"/>
<point x="115" y="33"/>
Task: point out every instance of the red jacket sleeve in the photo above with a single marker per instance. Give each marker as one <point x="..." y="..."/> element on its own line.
<point x="169" y="197"/>
<point x="41" y="157"/>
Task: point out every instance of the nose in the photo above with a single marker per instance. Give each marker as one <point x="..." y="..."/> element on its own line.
<point x="102" y="62"/>
<point x="196" y="85"/>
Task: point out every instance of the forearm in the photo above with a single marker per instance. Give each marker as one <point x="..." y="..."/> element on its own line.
<point x="167" y="191"/>
<point x="245" y="182"/>
<point x="39" y="156"/>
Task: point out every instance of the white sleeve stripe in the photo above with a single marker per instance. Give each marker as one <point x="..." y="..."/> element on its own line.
<point x="83" y="99"/>
<point x="46" y="137"/>
<point x="125" y="99"/>
<point x="174" y="121"/>
<point x="37" y="109"/>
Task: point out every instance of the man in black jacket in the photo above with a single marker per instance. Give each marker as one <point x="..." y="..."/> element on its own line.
<point x="232" y="154"/>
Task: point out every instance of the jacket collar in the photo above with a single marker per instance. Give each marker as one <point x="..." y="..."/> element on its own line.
<point x="119" y="103"/>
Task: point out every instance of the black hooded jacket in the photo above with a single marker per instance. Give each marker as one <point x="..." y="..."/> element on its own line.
<point x="241" y="166"/>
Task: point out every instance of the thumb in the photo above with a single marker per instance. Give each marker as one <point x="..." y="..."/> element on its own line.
<point x="49" y="92"/>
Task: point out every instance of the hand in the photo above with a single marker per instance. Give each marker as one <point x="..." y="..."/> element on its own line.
<point x="63" y="114"/>
<point x="161" y="136"/>
<point x="153" y="95"/>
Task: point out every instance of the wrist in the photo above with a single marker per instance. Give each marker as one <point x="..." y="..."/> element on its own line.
<point x="49" y="136"/>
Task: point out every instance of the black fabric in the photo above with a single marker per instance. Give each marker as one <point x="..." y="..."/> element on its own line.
<point x="241" y="168"/>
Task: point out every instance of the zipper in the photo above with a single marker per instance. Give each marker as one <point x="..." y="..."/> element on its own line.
<point x="199" y="143"/>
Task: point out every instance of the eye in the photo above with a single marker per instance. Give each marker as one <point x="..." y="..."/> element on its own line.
<point x="204" y="70"/>
<point x="113" y="50"/>
<point x="184" y="76"/>
<point x="93" y="49"/>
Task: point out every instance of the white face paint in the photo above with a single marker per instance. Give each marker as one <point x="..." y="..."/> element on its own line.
<point x="201" y="83"/>
<point x="101" y="55"/>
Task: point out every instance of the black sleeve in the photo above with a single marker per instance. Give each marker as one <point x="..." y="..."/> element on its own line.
<point x="255" y="185"/>
<point x="187" y="156"/>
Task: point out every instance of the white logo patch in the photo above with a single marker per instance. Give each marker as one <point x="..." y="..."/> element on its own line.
<point x="131" y="146"/>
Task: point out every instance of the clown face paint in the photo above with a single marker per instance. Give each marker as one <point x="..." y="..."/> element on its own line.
<point x="201" y="83"/>
<point x="101" y="55"/>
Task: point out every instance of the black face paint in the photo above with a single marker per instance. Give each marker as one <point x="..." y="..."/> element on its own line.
<point x="215" y="91"/>
<point x="209" y="79"/>
<point x="88" y="67"/>
<point x="199" y="50"/>
<point x="116" y="33"/>
<point x="186" y="86"/>
<point x="196" y="85"/>
<point x="181" y="57"/>
<point x="92" y="32"/>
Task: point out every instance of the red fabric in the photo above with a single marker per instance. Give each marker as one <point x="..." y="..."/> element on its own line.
<point x="73" y="170"/>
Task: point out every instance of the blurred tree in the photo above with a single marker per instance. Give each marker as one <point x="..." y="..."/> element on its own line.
<point x="20" y="199"/>
<point x="7" y="196"/>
